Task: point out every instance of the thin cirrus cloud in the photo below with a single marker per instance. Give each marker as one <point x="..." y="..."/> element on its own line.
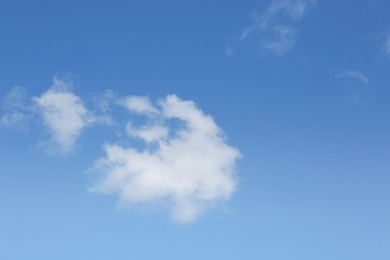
<point x="387" y="46"/>
<point x="274" y="30"/>
<point x="18" y="110"/>
<point x="356" y="86"/>
<point x="177" y="156"/>
<point x="354" y="74"/>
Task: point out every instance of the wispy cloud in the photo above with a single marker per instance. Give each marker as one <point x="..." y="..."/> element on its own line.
<point x="177" y="156"/>
<point x="274" y="30"/>
<point x="355" y="85"/>
<point x="63" y="114"/>
<point x="18" y="110"/>
<point x="189" y="167"/>
<point x="353" y="74"/>
<point x="387" y="45"/>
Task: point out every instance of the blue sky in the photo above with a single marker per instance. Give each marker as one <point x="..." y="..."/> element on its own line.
<point x="195" y="130"/>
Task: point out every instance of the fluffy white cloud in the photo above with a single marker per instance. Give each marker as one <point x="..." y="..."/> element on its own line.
<point x="172" y="152"/>
<point x="190" y="167"/>
<point x="63" y="113"/>
<point x="274" y="30"/>
<point x="139" y="105"/>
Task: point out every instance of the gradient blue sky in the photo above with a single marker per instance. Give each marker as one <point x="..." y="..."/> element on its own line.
<point x="310" y="118"/>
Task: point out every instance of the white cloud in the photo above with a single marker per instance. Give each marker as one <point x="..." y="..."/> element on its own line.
<point x="148" y="133"/>
<point x="274" y="30"/>
<point x="353" y="74"/>
<point x="64" y="114"/>
<point x="172" y="152"/>
<point x="139" y="105"/>
<point x="190" y="167"/>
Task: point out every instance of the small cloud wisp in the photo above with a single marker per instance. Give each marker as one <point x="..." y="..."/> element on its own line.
<point x="387" y="46"/>
<point x="356" y="86"/>
<point x="17" y="109"/>
<point x="274" y="30"/>
<point x="356" y="75"/>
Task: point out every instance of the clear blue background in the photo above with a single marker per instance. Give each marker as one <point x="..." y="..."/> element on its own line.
<point x="314" y="179"/>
